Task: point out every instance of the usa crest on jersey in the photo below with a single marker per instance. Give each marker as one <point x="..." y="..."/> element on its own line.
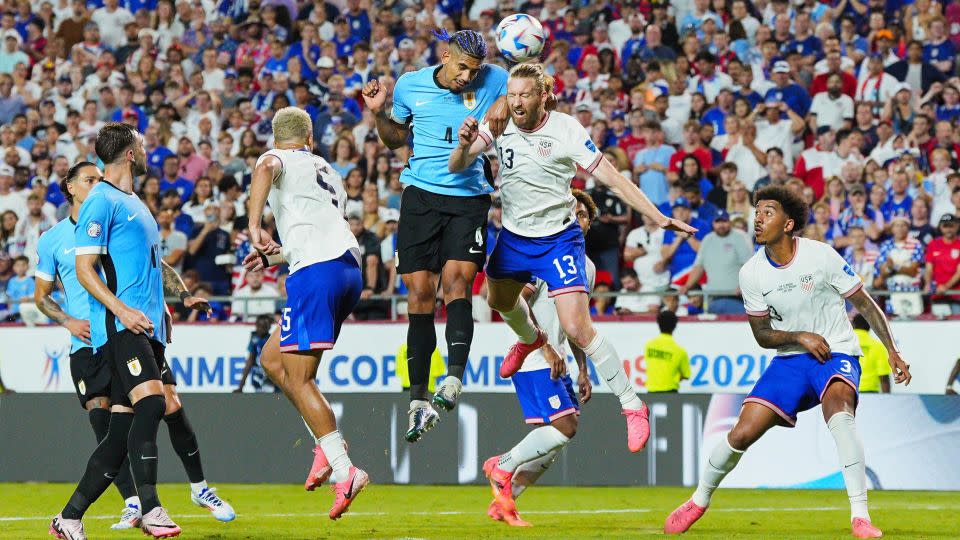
<point x="545" y="148"/>
<point x="470" y="100"/>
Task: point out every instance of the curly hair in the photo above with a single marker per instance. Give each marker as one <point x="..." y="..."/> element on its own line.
<point x="792" y="203"/>
<point x="586" y="200"/>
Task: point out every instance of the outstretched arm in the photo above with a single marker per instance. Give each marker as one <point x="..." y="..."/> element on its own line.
<point x="49" y="307"/>
<point x="471" y="143"/>
<point x="629" y="193"/>
<point x="880" y="326"/>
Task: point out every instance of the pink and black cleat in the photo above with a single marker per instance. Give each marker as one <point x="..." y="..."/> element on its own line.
<point x="518" y="353"/>
<point x="157" y="523"/>
<point x="501" y="483"/>
<point x="319" y="471"/>
<point x="638" y="428"/>
<point x="862" y="528"/>
<point x="683" y="518"/>
<point x="347" y="491"/>
<point x="67" y="529"/>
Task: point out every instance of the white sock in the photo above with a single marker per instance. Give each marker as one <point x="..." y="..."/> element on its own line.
<point x="843" y="427"/>
<point x="722" y="460"/>
<point x="133" y="501"/>
<point x="536" y="444"/>
<point x="610" y="369"/>
<point x="336" y="452"/>
<point x="197" y="487"/>
<point x="528" y="473"/>
<point x="519" y="320"/>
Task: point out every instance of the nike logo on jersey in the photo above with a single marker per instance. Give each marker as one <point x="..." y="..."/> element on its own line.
<point x="66" y="251"/>
<point x="284" y="337"/>
<point x="569" y="281"/>
<point x="474" y="250"/>
<point x="419" y="103"/>
<point x="768" y="292"/>
<point x="131" y="218"/>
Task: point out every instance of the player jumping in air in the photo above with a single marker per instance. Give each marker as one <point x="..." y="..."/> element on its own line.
<point x="90" y="372"/>
<point x="546" y="397"/>
<point x="116" y="235"/>
<point x="307" y="198"/>
<point x="794" y="291"/>
<point x="539" y="154"/>
<point x="443" y="215"/>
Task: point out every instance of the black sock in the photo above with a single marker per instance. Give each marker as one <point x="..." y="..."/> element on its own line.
<point x="143" y="449"/>
<point x="101" y="467"/>
<point x="184" y="442"/>
<point x="421" y="342"/>
<point x="100" y="422"/>
<point x="459" y="336"/>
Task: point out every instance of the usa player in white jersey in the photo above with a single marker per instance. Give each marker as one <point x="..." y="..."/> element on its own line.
<point x="539" y="154"/>
<point x="307" y="198"/>
<point x="795" y="291"/>
<point x="547" y="398"/>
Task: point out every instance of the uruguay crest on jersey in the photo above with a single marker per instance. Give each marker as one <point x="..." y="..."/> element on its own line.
<point x="470" y="100"/>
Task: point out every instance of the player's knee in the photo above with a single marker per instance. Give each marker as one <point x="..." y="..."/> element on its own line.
<point x="421" y="300"/>
<point x="581" y="335"/>
<point x="742" y="436"/>
<point x="499" y="304"/>
<point x="152" y="406"/>
<point x="271" y="365"/>
<point x="567" y="425"/>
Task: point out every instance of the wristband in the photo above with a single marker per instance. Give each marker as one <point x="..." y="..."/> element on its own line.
<point x="184" y="295"/>
<point x="264" y="260"/>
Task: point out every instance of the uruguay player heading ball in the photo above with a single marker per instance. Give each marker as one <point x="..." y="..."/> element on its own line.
<point x="539" y="154"/>
<point x="794" y="291"/>
<point x="443" y="215"/>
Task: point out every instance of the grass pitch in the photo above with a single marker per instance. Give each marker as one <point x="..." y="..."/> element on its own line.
<point x="283" y="511"/>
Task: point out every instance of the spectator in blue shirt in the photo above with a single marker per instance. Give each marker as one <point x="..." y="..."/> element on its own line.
<point x="899" y="201"/>
<point x="172" y="180"/>
<point x="170" y="200"/>
<point x="652" y="163"/>
<point x="680" y="249"/>
<point x="700" y="208"/>
<point x="787" y="91"/>
<point x="358" y="20"/>
<point x="939" y="50"/>
<point x="343" y="39"/>
<point x="716" y="115"/>
<point x="277" y="63"/>
<point x="20" y="287"/>
<point x="307" y="51"/>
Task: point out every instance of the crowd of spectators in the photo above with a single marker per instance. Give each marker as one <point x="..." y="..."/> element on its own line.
<point x="852" y="104"/>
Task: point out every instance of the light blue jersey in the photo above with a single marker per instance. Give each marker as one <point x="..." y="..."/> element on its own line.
<point x="57" y="259"/>
<point x="119" y="227"/>
<point x="437" y="114"/>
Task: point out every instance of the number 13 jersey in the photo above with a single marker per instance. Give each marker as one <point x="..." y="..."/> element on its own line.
<point x="308" y="201"/>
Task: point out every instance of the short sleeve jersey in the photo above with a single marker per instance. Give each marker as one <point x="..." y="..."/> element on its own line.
<point x="536" y="167"/>
<point x="436" y="114"/>
<point x="805" y="295"/>
<point x="117" y="226"/>
<point x="57" y="259"/>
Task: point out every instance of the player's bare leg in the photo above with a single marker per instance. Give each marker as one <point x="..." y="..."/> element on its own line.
<point x="421" y="342"/>
<point x="184" y="442"/>
<point x="503" y="295"/>
<point x="456" y="282"/>
<point x="295" y="374"/>
<point x="573" y="310"/>
<point x="839" y="407"/>
<point x="755" y="420"/>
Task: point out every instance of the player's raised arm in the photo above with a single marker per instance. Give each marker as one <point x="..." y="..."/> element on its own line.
<point x="878" y="322"/>
<point x="629" y="193"/>
<point x="268" y="168"/>
<point x="392" y="133"/>
<point x="472" y="142"/>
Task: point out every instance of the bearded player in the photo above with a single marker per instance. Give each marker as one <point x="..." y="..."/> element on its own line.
<point x="539" y="154"/>
<point x="443" y="214"/>
<point x="794" y="291"/>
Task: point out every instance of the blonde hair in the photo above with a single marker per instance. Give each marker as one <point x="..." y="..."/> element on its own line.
<point x="542" y="82"/>
<point x="291" y="124"/>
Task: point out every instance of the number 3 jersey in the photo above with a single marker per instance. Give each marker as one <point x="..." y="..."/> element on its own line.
<point x="308" y="201"/>
<point x="118" y="227"/>
<point x="805" y="295"/>
<point x="536" y="167"/>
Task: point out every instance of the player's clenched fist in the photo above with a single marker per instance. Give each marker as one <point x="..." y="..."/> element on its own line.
<point x="468" y="131"/>
<point x="374" y="95"/>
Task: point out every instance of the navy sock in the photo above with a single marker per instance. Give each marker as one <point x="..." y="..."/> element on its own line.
<point x="421" y="342"/>
<point x="459" y="336"/>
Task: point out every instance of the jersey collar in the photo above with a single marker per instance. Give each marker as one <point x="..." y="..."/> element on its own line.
<point x="796" y="250"/>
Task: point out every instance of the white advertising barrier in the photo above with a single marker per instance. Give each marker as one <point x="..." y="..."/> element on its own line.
<point x="910" y="442"/>
<point x="209" y="358"/>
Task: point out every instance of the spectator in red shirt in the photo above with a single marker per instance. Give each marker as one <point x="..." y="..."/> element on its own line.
<point x="943" y="264"/>
<point x="834" y="64"/>
<point x="192" y="164"/>
<point x="692" y="146"/>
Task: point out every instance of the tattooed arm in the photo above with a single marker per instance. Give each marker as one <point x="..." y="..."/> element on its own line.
<point x="49" y="307"/>
<point x="173" y="286"/>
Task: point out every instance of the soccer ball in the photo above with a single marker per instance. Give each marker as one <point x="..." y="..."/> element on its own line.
<point x="520" y="37"/>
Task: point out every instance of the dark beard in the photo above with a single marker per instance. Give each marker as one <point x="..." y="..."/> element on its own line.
<point x="138" y="168"/>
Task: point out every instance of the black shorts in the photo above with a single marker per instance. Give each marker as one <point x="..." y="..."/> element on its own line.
<point x="134" y="359"/>
<point x="91" y="375"/>
<point x="434" y="229"/>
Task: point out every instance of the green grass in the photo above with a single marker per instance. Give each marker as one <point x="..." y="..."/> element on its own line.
<point x="283" y="511"/>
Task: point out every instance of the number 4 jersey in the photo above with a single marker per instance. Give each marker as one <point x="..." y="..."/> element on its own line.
<point x="308" y="201"/>
<point x="805" y="295"/>
<point x="118" y="227"/>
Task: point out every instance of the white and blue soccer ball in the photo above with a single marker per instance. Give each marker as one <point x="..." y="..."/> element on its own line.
<point x="520" y="37"/>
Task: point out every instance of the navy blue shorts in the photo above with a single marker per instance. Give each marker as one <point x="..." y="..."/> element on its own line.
<point x="796" y="383"/>
<point x="319" y="298"/>
<point x="543" y="399"/>
<point x="558" y="259"/>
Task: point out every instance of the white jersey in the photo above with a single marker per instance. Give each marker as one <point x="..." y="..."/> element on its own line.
<point x="805" y="295"/>
<point x="308" y="202"/>
<point x="544" y="308"/>
<point x="536" y="167"/>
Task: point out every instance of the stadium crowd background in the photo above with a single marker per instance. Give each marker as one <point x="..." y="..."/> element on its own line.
<point x="853" y="104"/>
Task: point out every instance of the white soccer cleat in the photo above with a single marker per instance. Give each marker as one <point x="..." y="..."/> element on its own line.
<point x="157" y="523"/>
<point x="448" y="393"/>
<point x="67" y="529"/>
<point x="129" y="518"/>
<point x="207" y="498"/>
<point x="422" y="419"/>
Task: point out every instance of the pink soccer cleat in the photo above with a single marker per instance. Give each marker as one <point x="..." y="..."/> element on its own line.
<point x="501" y="483"/>
<point x="319" y="471"/>
<point x="683" y="518"/>
<point x="494" y="512"/>
<point x="67" y="529"/>
<point x="862" y="528"/>
<point x="513" y="519"/>
<point x="157" y="523"/>
<point x="347" y="491"/>
<point x="518" y="353"/>
<point x="638" y="428"/>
